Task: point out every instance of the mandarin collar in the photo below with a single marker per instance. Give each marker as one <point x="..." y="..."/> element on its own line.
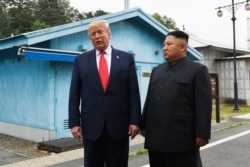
<point x="178" y="64"/>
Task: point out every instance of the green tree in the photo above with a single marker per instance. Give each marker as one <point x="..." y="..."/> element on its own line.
<point x="37" y="25"/>
<point x="100" y="13"/>
<point x="166" y="21"/>
<point x="28" y="15"/>
<point x="97" y="13"/>
<point x="21" y="15"/>
<point x="75" y="15"/>
<point x="53" y="12"/>
<point x="4" y="23"/>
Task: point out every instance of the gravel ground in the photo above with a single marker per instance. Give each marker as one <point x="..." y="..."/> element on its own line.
<point x="20" y="146"/>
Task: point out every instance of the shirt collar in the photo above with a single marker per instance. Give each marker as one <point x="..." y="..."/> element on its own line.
<point x="107" y="51"/>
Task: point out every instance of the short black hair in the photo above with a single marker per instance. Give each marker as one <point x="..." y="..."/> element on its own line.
<point x="179" y="34"/>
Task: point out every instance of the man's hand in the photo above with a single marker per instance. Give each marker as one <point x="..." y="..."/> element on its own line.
<point x="143" y="133"/>
<point x="133" y="131"/>
<point x="201" y="142"/>
<point x="77" y="132"/>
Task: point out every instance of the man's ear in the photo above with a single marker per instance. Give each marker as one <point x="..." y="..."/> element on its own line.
<point x="183" y="46"/>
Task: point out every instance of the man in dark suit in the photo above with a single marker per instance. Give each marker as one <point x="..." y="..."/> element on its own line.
<point x="177" y="111"/>
<point x="109" y="113"/>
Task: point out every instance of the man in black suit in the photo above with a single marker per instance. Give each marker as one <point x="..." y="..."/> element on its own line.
<point x="109" y="114"/>
<point x="177" y="111"/>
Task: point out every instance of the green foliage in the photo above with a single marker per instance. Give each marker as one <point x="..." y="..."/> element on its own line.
<point x="99" y="12"/>
<point x="139" y="151"/>
<point x="4" y="23"/>
<point x="229" y="127"/>
<point x="226" y="112"/>
<point x="20" y="16"/>
<point x="37" y="25"/>
<point x="166" y="21"/>
<point x="51" y="12"/>
<point x="75" y="15"/>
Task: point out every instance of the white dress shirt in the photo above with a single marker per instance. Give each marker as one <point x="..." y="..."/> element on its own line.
<point x="107" y="57"/>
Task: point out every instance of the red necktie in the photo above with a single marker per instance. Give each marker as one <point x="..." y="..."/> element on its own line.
<point x="103" y="71"/>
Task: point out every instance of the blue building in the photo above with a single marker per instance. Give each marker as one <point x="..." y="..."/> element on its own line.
<point x="35" y="70"/>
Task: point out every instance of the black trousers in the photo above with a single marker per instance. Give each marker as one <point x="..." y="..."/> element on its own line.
<point x="185" y="159"/>
<point x="106" y="152"/>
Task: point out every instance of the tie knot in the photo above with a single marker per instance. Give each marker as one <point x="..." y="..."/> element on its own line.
<point x="102" y="53"/>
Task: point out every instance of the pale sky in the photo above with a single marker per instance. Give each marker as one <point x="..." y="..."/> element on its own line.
<point x="198" y="16"/>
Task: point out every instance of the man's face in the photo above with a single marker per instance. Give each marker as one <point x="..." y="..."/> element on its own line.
<point x="173" y="49"/>
<point x="99" y="36"/>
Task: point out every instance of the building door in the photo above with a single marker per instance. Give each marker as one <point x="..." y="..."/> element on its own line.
<point x="62" y="83"/>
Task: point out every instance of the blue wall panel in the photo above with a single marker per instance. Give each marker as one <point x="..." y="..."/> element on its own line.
<point x="132" y="37"/>
<point x="25" y="93"/>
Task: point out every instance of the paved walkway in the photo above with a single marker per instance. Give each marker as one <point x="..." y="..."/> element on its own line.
<point x="74" y="158"/>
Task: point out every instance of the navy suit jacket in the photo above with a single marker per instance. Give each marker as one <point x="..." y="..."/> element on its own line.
<point x="92" y="108"/>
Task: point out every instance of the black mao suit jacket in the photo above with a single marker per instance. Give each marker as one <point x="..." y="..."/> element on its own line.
<point x="178" y="107"/>
<point x="116" y="108"/>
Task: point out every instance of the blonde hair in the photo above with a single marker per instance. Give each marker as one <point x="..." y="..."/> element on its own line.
<point x="98" y="23"/>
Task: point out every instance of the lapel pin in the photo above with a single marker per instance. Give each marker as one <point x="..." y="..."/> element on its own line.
<point x="117" y="57"/>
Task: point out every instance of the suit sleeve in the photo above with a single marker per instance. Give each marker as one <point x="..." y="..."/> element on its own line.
<point x="74" y="97"/>
<point x="203" y="103"/>
<point x="145" y="107"/>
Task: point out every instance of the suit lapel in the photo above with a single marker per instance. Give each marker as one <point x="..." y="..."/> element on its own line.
<point x="93" y="68"/>
<point x="115" y="61"/>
